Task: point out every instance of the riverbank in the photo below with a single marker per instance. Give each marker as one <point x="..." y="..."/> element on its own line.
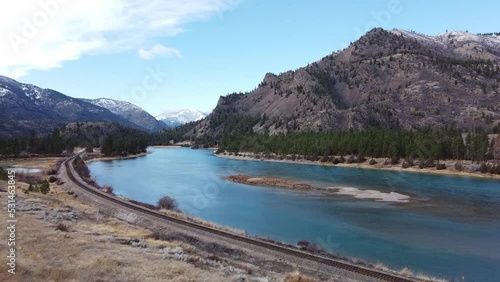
<point x="58" y="227"/>
<point x="103" y="158"/>
<point x="380" y="165"/>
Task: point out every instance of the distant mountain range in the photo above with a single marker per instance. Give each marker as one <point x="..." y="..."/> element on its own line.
<point x="129" y="112"/>
<point x="26" y="107"/>
<point x="176" y="118"/>
<point x="388" y="78"/>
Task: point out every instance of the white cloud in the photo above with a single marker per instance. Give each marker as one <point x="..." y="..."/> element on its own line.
<point x="158" y="50"/>
<point x="44" y="35"/>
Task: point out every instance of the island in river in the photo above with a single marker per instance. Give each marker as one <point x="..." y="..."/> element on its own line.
<point x="277" y="182"/>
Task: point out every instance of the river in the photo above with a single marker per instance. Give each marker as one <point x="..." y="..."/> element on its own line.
<point x="450" y="229"/>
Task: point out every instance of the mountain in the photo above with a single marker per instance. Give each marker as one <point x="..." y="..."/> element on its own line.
<point x="26" y="107"/>
<point x="129" y="112"/>
<point x="94" y="133"/>
<point x="390" y="79"/>
<point x="172" y="119"/>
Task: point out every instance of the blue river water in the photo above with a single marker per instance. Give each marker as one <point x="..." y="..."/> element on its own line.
<point x="450" y="229"/>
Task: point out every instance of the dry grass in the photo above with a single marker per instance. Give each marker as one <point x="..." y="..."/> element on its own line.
<point x="203" y="222"/>
<point x="298" y="277"/>
<point x="84" y="253"/>
<point x="40" y="163"/>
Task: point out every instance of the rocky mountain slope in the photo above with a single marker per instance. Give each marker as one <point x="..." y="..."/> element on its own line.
<point x="129" y="112"/>
<point x="390" y="79"/>
<point x="26" y="107"/>
<point x="176" y="118"/>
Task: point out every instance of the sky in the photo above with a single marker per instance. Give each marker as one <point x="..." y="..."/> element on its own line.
<point x="166" y="55"/>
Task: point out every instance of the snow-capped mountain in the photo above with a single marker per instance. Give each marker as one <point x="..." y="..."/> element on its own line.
<point x="177" y="118"/>
<point x="130" y="112"/>
<point x="26" y="107"/>
<point x="461" y="43"/>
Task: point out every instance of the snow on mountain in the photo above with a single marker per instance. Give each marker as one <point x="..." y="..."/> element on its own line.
<point x="26" y="107"/>
<point x="128" y="111"/>
<point x="181" y="117"/>
<point x="458" y="43"/>
<point x="114" y="106"/>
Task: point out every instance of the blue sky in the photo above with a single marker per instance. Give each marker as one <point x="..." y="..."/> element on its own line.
<point x="177" y="54"/>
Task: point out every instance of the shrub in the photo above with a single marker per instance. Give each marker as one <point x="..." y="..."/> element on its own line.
<point x="335" y="161"/>
<point x="52" y="179"/>
<point x="497" y="168"/>
<point x="303" y="244"/>
<point x="491" y="169"/>
<point x="62" y="227"/>
<point x="394" y="160"/>
<point x="107" y="189"/>
<point x="33" y="188"/>
<point x="409" y="161"/>
<point x="373" y="162"/>
<point x="44" y="187"/>
<point x="350" y="160"/>
<point x="440" y="166"/>
<point x="168" y="203"/>
<point x="342" y="159"/>
<point x="360" y="158"/>
<point x="483" y="168"/>
<point x="405" y="165"/>
<point x="459" y="166"/>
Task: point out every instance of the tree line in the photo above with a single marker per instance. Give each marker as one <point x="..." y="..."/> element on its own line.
<point x="49" y="144"/>
<point x="56" y="144"/>
<point x="426" y="143"/>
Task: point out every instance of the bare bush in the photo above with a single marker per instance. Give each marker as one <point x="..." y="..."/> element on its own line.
<point x="107" y="189"/>
<point x="394" y="160"/>
<point x="440" y="166"/>
<point x="62" y="227"/>
<point x="167" y="203"/>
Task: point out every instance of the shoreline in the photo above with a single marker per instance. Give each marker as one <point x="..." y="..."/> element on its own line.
<point x="365" y="165"/>
<point x="117" y="157"/>
<point x="166" y="146"/>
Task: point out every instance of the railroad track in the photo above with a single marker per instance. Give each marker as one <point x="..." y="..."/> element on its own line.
<point x="336" y="263"/>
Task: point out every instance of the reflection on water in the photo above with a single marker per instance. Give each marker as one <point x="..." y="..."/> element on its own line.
<point x="452" y="231"/>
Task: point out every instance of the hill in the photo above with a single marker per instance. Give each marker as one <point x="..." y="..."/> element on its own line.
<point x="25" y="108"/>
<point x="129" y="112"/>
<point x="387" y="79"/>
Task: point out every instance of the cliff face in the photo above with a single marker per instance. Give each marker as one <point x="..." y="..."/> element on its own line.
<point x="390" y="79"/>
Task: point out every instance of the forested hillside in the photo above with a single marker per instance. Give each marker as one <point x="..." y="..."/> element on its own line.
<point x="395" y="80"/>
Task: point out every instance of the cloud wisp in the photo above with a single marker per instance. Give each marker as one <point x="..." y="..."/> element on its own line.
<point x="44" y="35"/>
<point x="158" y="50"/>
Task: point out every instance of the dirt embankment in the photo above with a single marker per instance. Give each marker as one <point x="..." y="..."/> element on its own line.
<point x="271" y="182"/>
